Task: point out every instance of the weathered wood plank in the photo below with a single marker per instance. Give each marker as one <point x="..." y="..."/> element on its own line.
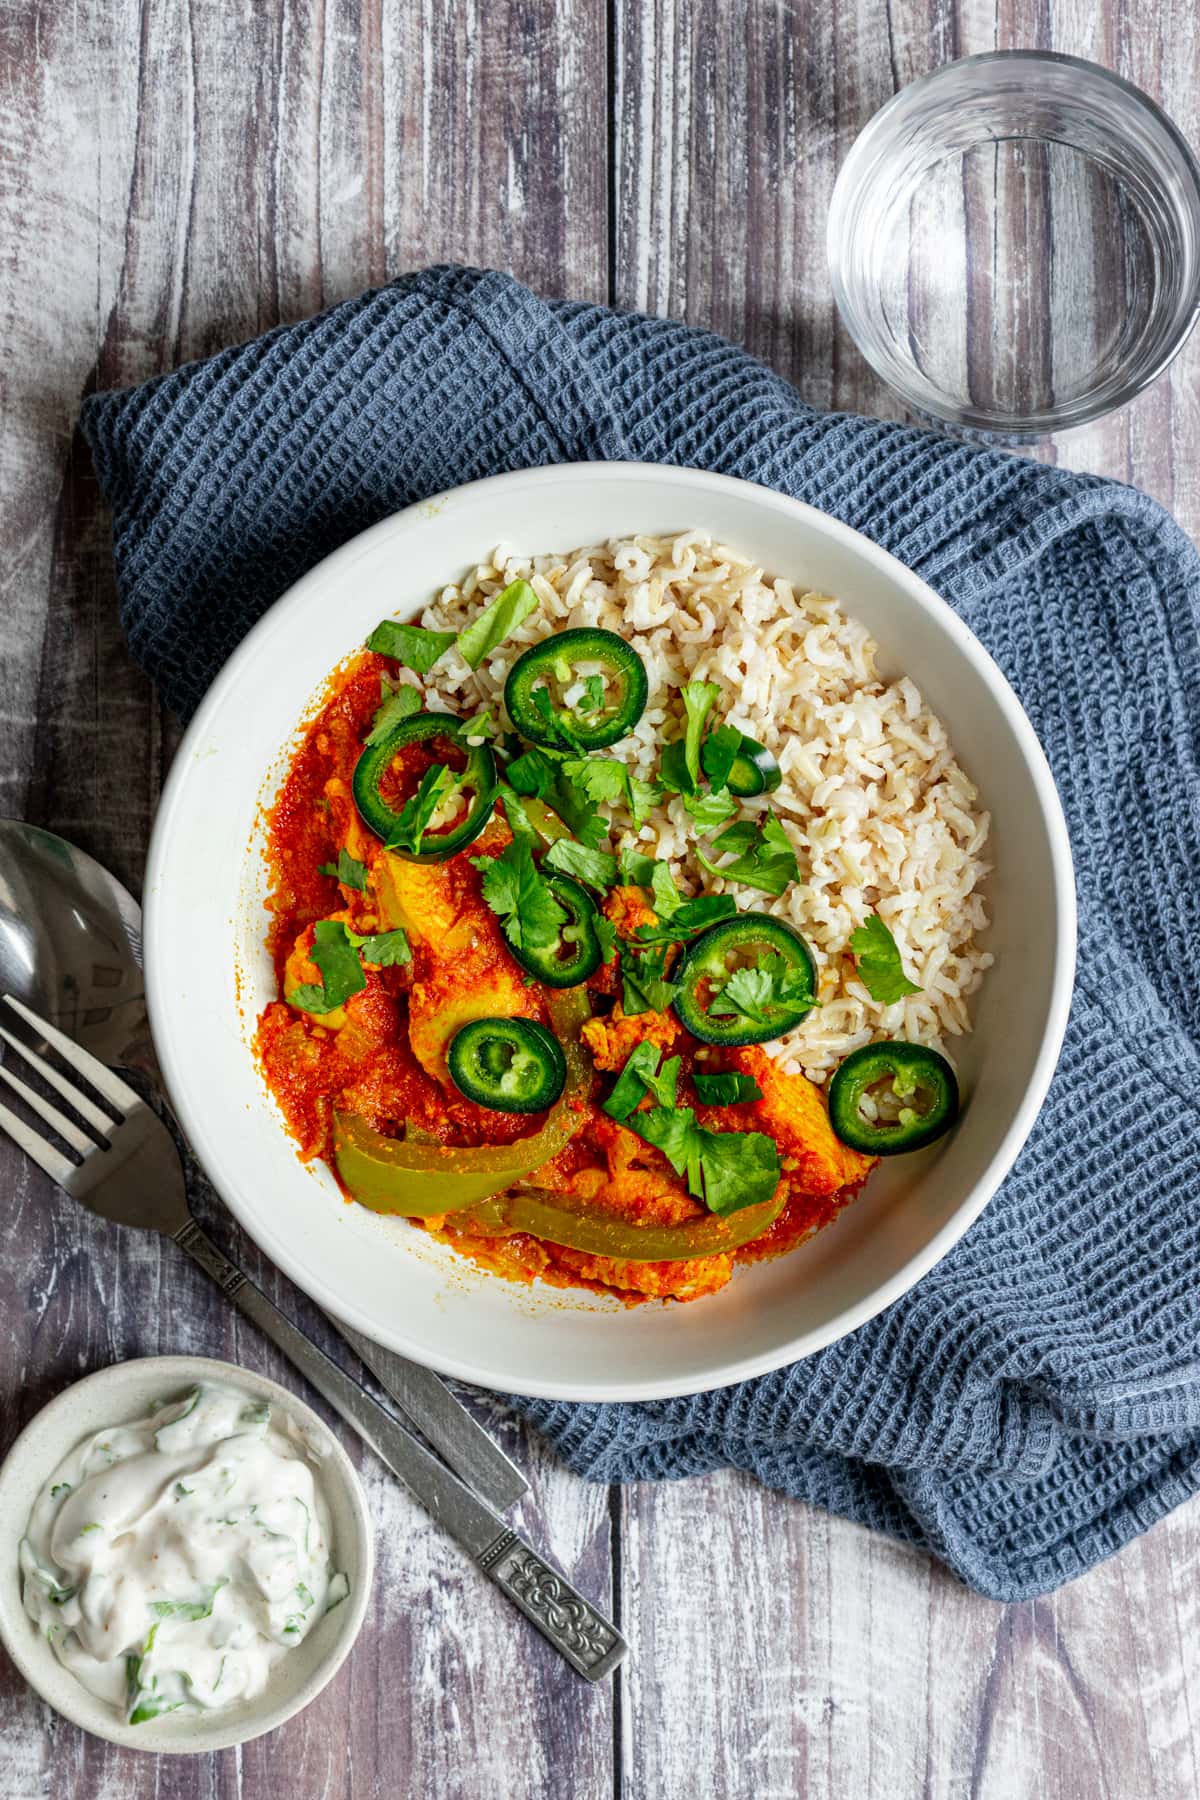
<point x="833" y="1663"/>
<point x="178" y="177"/>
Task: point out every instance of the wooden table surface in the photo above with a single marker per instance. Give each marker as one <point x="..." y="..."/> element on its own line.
<point x="181" y="174"/>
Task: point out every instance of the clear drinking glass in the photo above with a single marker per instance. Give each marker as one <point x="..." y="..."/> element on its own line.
<point x="1014" y="242"/>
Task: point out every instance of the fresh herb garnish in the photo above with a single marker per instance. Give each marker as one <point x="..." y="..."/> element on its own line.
<point x="608" y="782"/>
<point x="606" y="936"/>
<point x="718" y="754"/>
<point x="181" y="1492"/>
<point x="188" y="1609"/>
<point x="772" y="992"/>
<point x="689" y="918"/>
<point x="592" y="698"/>
<point x="304" y="1596"/>
<point x="667" y="897"/>
<point x="635" y="867"/>
<point x="879" y="964"/>
<point x="410" y="645"/>
<point x="644" y="987"/>
<point x="398" y="704"/>
<point x="255" y="1412"/>
<point x="673" y="772"/>
<point x="495" y="622"/>
<point x="596" y="868"/>
<point x="538" y="776"/>
<point x="727" y="1169"/>
<point x="416" y="814"/>
<point x="640" y="1077"/>
<point x="341" y="971"/>
<point x="709" y="810"/>
<point x="347" y="869"/>
<point x="60" y="1487"/>
<point x="763" y="856"/>
<point x="699" y="698"/>
<point x="520" y="897"/>
<point x="728" y="1089"/>
<point x="385" y="949"/>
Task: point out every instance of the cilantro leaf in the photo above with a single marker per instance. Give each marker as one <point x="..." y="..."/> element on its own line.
<point x="718" y="753"/>
<point x="667" y="897"/>
<point x="410" y="645"/>
<point x="636" y="868"/>
<point x="187" y="1609"/>
<point x="727" y="1169"/>
<point x="699" y="698"/>
<point x="879" y="963"/>
<point x="689" y="918"/>
<point x="386" y="949"/>
<point x="644" y="987"/>
<point x="398" y="704"/>
<point x="630" y="1087"/>
<point x="709" y="810"/>
<point x="530" y="915"/>
<point x="597" y="868"/>
<point x="347" y="869"/>
<point x="766" y="860"/>
<point x="606" y="935"/>
<point x="592" y="698"/>
<point x="601" y="778"/>
<point x="417" y="813"/>
<point x="644" y="796"/>
<point x="495" y="622"/>
<point x="519" y="821"/>
<point x="481" y="726"/>
<point x="740" y="1168"/>
<point x="340" y="968"/>
<point x="673" y="771"/>
<point x="728" y="1089"/>
<point x="772" y="992"/>
<point x="539" y="776"/>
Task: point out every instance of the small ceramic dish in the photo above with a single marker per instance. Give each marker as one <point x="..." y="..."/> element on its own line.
<point x="118" y="1395"/>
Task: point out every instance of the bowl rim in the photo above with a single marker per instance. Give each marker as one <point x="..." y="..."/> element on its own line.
<point x="992" y="426"/>
<point x="51" y="1425"/>
<point x="307" y="1275"/>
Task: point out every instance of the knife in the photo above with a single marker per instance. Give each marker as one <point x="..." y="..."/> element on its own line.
<point x="427" y="1403"/>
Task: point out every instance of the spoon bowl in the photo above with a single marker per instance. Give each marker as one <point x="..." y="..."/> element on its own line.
<point x="71" y="943"/>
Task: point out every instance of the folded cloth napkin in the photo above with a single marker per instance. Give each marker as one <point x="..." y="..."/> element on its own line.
<point x="1035" y="1401"/>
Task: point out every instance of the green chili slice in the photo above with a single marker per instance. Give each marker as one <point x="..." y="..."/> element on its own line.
<point x="511" y="1065"/>
<point x="753" y="770"/>
<point x="912" y="1090"/>
<point x="575" y="951"/>
<point x="540" y="679"/>
<point x="466" y="787"/>
<point x="745" y="981"/>
<point x="597" y="1231"/>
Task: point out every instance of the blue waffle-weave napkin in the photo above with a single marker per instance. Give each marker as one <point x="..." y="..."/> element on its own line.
<point x="1035" y="1401"/>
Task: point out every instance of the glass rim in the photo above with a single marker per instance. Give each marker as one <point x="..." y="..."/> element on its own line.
<point x="1106" y="396"/>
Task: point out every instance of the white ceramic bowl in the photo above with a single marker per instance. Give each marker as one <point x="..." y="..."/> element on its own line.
<point x="115" y="1396"/>
<point x="208" y="974"/>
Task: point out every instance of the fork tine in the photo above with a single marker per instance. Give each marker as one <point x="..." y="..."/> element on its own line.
<point x="57" y="1167"/>
<point x="83" y="1063"/>
<point x="50" y="1114"/>
<point x="87" y="1109"/>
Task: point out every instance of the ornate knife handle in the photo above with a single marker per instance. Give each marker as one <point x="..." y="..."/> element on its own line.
<point x="578" y="1632"/>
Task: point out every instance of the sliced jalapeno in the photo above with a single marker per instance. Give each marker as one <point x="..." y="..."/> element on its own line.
<point x="912" y="1091"/>
<point x="473" y="784"/>
<point x="509" y="1065"/>
<point x="575" y="953"/>
<point x="754" y="770"/>
<point x="610" y="674"/>
<point x="745" y="981"/>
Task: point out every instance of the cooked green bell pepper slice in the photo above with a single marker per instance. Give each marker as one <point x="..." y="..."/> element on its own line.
<point x="770" y="989"/>
<point x="915" y="1092"/>
<point x="614" y="677"/>
<point x="511" y="1065"/>
<point x="579" y="1225"/>
<point x="754" y="770"/>
<point x="575" y="952"/>
<point x="476" y="780"/>
<point x="420" y="1179"/>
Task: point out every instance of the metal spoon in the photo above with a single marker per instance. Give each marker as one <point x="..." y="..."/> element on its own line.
<point x="71" y="949"/>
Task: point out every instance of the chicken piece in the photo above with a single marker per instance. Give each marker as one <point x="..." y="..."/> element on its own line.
<point x="611" y="1039"/>
<point x="793" y="1111"/>
<point x="462" y="969"/>
<point x="627" y="908"/>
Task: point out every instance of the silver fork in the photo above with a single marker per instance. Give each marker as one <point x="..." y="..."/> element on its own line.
<point x="134" y="1176"/>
